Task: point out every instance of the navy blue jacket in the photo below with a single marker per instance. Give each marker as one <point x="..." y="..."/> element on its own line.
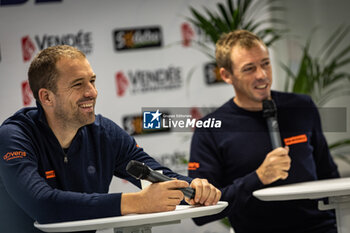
<point x="40" y="181"/>
<point x="229" y="156"/>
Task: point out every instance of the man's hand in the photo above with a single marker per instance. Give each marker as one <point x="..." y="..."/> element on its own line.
<point x="206" y="193"/>
<point x="275" y="166"/>
<point x="157" y="197"/>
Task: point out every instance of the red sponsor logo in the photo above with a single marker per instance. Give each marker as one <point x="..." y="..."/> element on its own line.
<point x="187" y="34"/>
<point x="27" y="94"/>
<point x="14" y="155"/>
<point x="122" y="83"/>
<point x="28" y="48"/>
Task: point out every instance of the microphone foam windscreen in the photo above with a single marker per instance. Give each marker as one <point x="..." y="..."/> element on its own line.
<point x="137" y="169"/>
<point x="269" y="108"/>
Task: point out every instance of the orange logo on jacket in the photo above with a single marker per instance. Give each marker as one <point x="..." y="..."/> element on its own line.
<point x="295" y="140"/>
<point x="14" y="155"/>
<point x="50" y="174"/>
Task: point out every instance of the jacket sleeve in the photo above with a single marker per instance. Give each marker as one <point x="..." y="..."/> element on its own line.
<point x="206" y="162"/>
<point x="132" y="151"/>
<point x="325" y="166"/>
<point x="20" y="176"/>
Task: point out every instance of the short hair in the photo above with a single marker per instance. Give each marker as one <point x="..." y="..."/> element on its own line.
<point x="227" y="41"/>
<point x="43" y="72"/>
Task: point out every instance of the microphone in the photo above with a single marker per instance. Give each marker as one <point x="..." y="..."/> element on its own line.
<point x="140" y="170"/>
<point x="270" y="113"/>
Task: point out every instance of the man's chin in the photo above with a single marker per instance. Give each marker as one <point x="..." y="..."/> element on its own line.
<point x="88" y="120"/>
<point x="263" y="96"/>
<point x="92" y="119"/>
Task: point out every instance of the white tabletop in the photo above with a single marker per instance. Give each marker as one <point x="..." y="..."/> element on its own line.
<point x="306" y="190"/>
<point x="181" y="212"/>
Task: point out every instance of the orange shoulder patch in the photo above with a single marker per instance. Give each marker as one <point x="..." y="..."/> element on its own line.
<point x="192" y="166"/>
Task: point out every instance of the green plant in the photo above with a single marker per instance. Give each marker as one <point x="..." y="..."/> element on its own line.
<point x="323" y="76"/>
<point x="241" y="14"/>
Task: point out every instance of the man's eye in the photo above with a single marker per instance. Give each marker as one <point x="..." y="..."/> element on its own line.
<point x="247" y="69"/>
<point x="266" y="63"/>
<point x="77" y="85"/>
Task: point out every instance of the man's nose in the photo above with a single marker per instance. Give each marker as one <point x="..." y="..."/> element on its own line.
<point x="91" y="91"/>
<point x="261" y="73"/>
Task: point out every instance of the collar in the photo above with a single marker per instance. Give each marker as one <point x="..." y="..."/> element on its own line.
<point x="41" y="114"/>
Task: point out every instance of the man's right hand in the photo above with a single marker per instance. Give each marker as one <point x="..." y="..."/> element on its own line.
<point x="157" y="197"/>
<point x="275" y="166"/>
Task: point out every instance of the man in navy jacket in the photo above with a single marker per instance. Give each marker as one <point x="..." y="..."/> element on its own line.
<point x="238" y="157"/>
<point x="58" y="159"/>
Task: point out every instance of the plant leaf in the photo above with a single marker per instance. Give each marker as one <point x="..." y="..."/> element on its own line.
<point x="206" y="25"/>
<point x="224" y="14"/>
<point x="340" y="143"/>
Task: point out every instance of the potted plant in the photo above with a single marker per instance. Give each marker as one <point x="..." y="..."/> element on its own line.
<point x="250" y="15"/>
<point x="322" y="76"/>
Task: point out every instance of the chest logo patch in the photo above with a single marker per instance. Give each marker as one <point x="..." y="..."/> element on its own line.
<point x="50" y="174"/>
<point x="14" y="155"/>
<point x="295" y="140"/>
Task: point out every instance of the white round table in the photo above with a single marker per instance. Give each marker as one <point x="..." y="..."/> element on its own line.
<point x="336" y="190"/>
<point x="134" y="223"/>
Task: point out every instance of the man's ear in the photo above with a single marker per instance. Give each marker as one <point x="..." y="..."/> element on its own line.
<point x="45" y="96"/>
<point x="225" y="75"/>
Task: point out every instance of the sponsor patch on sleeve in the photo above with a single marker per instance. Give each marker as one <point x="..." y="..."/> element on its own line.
<point x="192" y="166"/>
<point x="295" y="140"/>
<point x="14" y="155"/>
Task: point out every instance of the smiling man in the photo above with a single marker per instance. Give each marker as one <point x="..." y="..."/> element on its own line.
<point x="238" y="158"/>
<point x="58" y="159"/>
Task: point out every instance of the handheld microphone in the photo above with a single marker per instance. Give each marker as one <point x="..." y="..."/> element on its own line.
<point x="270" y="113"/>
<point x="140" y="170"/>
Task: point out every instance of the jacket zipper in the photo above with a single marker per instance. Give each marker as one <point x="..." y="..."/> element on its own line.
<point x="65" y="158"/>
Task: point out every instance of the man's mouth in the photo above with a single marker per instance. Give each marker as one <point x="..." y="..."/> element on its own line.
<point x="261" y="87"/>
<point x="87" y="106"/>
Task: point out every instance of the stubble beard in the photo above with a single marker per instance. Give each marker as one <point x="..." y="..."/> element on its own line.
<point x="74" y="120"/>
